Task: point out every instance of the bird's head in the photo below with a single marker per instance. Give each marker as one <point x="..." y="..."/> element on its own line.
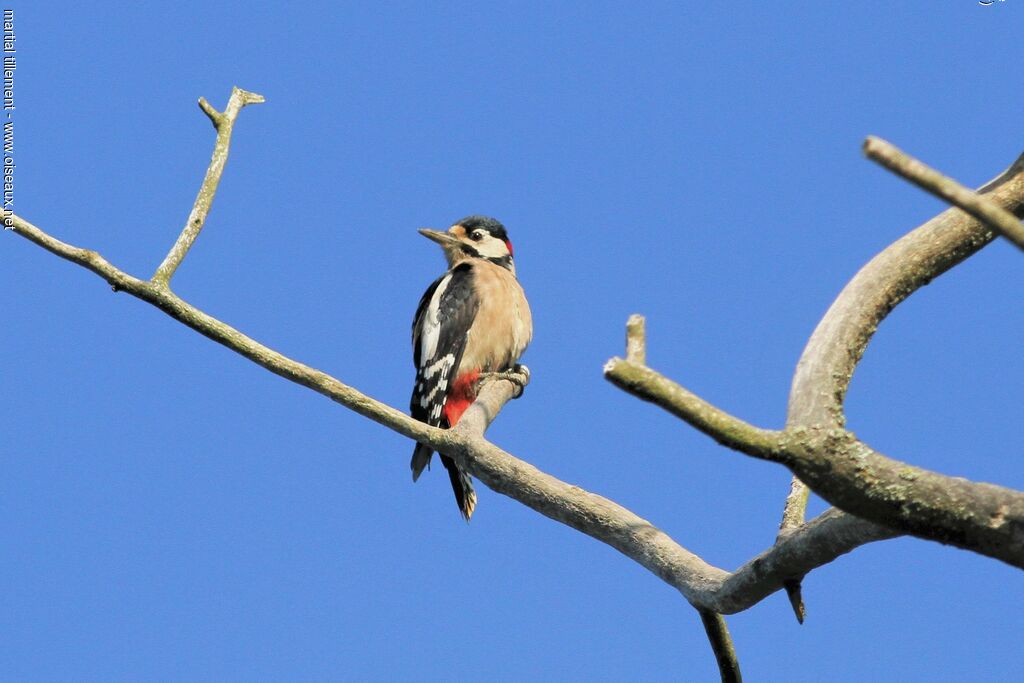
<point x="474" y="237"/>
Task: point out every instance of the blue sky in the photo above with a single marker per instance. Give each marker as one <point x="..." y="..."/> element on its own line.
<point x="169" y="510"/>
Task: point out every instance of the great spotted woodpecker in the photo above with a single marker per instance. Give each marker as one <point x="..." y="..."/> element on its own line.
<point x="471" y="321"/>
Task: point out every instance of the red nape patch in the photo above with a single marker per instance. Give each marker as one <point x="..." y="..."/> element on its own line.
<point x="508" y="243"/>
<point x="462" y="395"/>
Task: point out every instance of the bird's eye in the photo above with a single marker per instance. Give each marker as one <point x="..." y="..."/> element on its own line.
<point x="477" y="235"/>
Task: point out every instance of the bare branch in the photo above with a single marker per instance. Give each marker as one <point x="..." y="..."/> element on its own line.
<point x="796" y="598"/>
<point x="224" y="123"/>
<point x="794" y="508"/>
<point x="721" y="645"/>
<point x="703" y="585"/>
<point x="985" y="518"/>
<point x="819" y="541"/>
<point x="846" y="472"/>
<point x="208" y="109"/>
<point x="228" y="336"/>
<point x="636" y="340"/>
<point x="727" y="430"/>
<point x="838" y="342"/>
<point x="988" y="212"/>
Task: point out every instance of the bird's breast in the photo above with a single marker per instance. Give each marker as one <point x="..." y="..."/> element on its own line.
<point x="503" y="325"/>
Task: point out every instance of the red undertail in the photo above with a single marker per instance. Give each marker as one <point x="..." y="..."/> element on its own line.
<point x="462" y="395"/>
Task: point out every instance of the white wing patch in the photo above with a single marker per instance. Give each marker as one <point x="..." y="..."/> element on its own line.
<point x="430" y="332"/>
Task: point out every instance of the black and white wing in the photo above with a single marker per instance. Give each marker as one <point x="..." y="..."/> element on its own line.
<point x="443" y="317"/>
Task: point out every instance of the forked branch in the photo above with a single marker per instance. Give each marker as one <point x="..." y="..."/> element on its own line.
<point x="224" y="122"/>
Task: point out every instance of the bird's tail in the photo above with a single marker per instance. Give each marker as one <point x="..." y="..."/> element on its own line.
<point x="465" y="496"/>
<point x="420" y="460"/>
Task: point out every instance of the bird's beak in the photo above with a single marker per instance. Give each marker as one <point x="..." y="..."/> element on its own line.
<point x="444" y="239"/>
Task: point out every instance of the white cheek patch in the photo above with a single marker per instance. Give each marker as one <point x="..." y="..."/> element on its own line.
<point x="492" y="247"/>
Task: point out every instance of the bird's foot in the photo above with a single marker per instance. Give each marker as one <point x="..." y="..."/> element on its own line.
<point x="519" y="375"/>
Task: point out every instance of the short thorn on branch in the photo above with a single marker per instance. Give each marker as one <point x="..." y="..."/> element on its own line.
<point x="215" y="116"/>
<point x="636" y="339"/>
<point x="985" y="210"/>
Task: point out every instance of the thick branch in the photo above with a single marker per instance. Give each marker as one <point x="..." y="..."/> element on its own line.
<point x="224" y="123"/>
<point x="826" y="366"/>
<point x="985" y="518"/>
<point x="837" y="344"/>
<point x="981" y="517"/>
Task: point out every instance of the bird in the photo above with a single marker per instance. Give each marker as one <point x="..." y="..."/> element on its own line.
<point x="472" y="322"/>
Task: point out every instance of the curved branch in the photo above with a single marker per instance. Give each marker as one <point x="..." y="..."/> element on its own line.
<point x="835" y="347"/>
<point x="837" y="344"/>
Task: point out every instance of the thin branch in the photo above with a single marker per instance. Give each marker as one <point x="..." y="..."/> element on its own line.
<point x="231" y="338"/>
<point x="215" y="116"/>
<point x="988" y="212"/>
<point x="794" y="507"/>
<point x="224" y="123"/>
<point x="703" y="585"/>
<point x="652" y="386"/>
<point x="721" y="645"/>
<point x="829" y="535"/>
<point x="796" y="598"/>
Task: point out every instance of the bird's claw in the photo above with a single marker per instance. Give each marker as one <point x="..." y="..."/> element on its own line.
<point x="519" y="375"/>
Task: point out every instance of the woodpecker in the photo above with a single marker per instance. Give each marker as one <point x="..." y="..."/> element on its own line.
<point x="471" y="321"/>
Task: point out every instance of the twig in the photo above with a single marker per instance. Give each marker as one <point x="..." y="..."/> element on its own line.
<point x="988" y="212"/>
<point x="224" y="123"/>
<point x="721" y="645"/>
<point x="796" y="598"/>
<point x="636" y="340"/>
<point x="792" y="519"/>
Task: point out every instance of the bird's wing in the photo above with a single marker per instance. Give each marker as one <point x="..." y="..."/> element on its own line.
<point x="444" y="316"/>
